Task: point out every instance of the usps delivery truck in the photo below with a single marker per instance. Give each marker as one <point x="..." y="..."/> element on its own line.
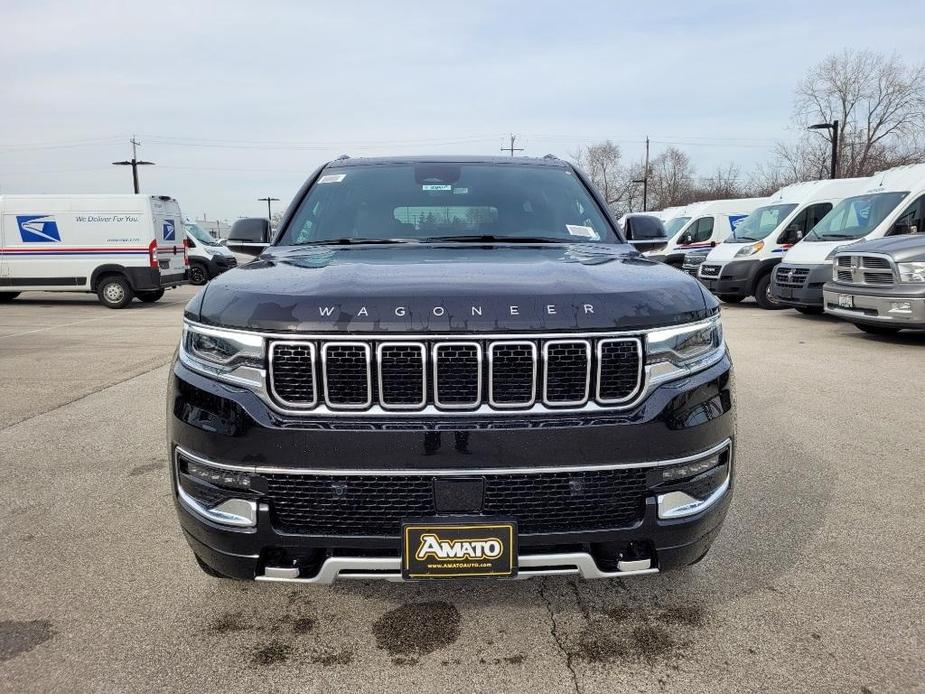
<point x="709" y="224"/>
<point x="116" y="246"/>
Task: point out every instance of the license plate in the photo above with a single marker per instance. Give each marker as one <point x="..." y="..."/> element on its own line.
<point x="845" y="301"/>
<point x="459" y="549"/>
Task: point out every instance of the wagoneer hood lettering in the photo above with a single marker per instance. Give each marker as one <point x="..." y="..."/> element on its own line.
<point x="450" y="287"/>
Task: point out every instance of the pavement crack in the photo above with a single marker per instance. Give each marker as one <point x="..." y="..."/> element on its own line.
<point x="557" y="638"/>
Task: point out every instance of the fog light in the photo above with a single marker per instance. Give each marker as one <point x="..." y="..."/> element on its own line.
<point x="901" y="307"/>
<point x="679" y="472"/>
<point x="217" y="476"/>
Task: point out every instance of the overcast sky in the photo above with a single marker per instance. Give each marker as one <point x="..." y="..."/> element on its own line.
<point x="234" y="101"/>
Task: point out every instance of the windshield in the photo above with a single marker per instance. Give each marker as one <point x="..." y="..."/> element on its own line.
<point x="447" y="201"/>
<point x="198" y="233"/>
<point x="760" y="223"/>
<point x="855" y="217"/>
<point x="674" y="226"/>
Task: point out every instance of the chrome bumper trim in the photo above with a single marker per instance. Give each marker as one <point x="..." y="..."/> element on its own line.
<point x="455" y="472"/>
<point x="581" y="564"/>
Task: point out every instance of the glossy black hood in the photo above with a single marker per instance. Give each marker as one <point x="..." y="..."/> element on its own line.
<point x="459" y="288"/>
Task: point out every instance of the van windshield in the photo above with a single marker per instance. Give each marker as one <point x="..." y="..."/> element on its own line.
<point x="855" y="217"/>
<point x="760" y="223"/>
<point x="675" y="225"/>
<point x="198" y="233"/>
<point x="448" y="202"/>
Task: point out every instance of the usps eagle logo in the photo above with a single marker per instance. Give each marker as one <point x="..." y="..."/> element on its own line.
<point x="38" y="227"/>
<point x="170" y="231"/>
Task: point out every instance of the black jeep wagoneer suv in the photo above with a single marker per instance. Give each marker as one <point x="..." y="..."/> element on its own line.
<point x="449" y="367"/>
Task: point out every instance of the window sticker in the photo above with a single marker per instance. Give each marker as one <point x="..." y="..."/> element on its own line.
<point x="332" y="178"/>
<point x="436" y="186"/>
<point x="460" y="191"/>
<point x="582" y="231"/>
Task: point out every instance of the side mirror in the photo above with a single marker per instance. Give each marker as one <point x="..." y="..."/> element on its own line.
<point x="250" y="236"/>
<point x="628" y="229"/>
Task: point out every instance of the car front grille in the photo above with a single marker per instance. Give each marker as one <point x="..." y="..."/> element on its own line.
<point x="864" y="270"/>
<point x="455" y="374"/>
<point x="375" y="505"/>
<point x="709" y="270"/>
<point x="788" y="276"/>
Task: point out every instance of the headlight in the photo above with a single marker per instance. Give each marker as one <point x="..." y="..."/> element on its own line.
<point x="911" y="272"/>
<point x="676" y="352"/>
<point x="751" y="249"/>
<point x="232" y="356"/>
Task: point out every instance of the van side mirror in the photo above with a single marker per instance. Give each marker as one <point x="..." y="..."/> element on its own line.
<point x="250" y="236"/>
<point x="793" y="234"/>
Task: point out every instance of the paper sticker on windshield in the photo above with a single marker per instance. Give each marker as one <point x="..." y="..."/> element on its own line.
<point x="332" y="178"/>
<point x="436" y="186"/>
<point x="460" y="191"/>
<point x="583" y="231"/>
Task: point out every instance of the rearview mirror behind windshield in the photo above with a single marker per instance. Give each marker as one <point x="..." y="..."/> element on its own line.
<point x="249" y="236"/>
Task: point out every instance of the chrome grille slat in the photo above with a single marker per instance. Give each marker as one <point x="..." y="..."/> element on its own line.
<point x="454" y="374"/>
<point x="511" y="374"/>
<point x="566" y="372"/>
<point x="402" y="369"/>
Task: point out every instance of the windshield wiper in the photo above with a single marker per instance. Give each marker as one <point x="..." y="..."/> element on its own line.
<point x="481" y="238"/>
<point x="836" y="236"/>
<point x="350" y="241"/>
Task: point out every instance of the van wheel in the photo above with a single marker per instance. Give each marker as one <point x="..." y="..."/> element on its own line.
<point x="763" y="295"/>
<point x="150" y="297"/>
<point x="114" y="292"/>
<point x="877" y="329"/>
<point x="811" y="310"/>
<point x="730" y="298"/>
<point x="7" y="296"/>
<point x="198" y="274"/>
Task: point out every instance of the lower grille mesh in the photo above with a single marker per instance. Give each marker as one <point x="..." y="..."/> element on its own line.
<point x="376" y="505"/>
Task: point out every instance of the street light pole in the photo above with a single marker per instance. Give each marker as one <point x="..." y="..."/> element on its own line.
<point x="833" y="126"/>
<point x="268" y="200"/>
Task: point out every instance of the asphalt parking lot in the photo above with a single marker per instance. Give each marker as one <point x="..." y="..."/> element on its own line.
<point x="815" y="583"/>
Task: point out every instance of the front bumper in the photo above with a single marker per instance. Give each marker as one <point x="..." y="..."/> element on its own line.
<point x="807" y="292"/>
<point x="217" y="264"/>
<point x="232" y="427"/>
<point x="877" y="307"/>
<point x="735" y="278"/>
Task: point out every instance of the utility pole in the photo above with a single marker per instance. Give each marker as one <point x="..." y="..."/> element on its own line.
<point x="134" y="163"/>
<point x="268" y="200"/>
<point x="645" y="179"/>
<point x="512" y="148"/>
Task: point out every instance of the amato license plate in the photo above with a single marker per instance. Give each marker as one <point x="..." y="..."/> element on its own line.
<point x="459" y="549"/>
<point x="845" y="301"/>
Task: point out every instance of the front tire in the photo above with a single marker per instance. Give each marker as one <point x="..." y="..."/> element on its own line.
<point x="6" y="297"/>
<point x="114" y="292"/>
<point x="730" y="298"/>
<point x="198" y="274"/>
<point x="763" y="295"/>
<point x="876" y="329"/>
<point x="151" y="296"/>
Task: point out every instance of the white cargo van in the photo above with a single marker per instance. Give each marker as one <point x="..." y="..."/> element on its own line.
<point x="741" y="266"/>
<point x="708" y="225"/>
<point x="892" y="202"/>
<point x="207" y="257"/>
<point x="118" y="246"/>
<point x="674" y="224"/>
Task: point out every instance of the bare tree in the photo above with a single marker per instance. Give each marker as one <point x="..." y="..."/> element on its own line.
<point x="602" y="164"/>
<point x="723" y="184"/>
<point x="880" y="104"/>
<point x="671" y="179"/>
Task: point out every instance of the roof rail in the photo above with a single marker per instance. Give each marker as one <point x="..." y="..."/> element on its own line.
<point x="342" y="156"/>
<point x="551" y="156"/>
